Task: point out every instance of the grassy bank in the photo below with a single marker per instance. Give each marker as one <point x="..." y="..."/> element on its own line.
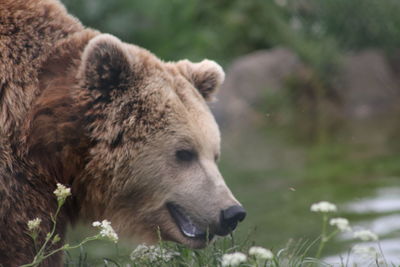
<point x="223" y="252"/>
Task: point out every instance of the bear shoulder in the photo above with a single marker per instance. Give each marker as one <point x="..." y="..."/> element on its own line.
<point x="30" y="31"/>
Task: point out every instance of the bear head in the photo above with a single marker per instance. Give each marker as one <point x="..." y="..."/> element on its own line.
<point x="151" y="167"/>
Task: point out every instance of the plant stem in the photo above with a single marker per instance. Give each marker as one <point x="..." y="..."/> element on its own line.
<point x="68" y="247"/>
<point x="275" y="261"/>
<point x="49" y="236"/>
<point x="332" y="235"/>
<point x="323" y="236"/>
<point x="40" y="255"/>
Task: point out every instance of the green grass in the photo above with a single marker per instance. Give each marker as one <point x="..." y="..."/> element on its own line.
<point x="92" y="251"/>
<point x="295" y="253"/>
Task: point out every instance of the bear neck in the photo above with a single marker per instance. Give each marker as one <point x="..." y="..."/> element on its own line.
<point x="54" y="137"/>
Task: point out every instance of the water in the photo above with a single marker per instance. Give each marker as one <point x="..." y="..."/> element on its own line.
<point x="277" y="174"/>
<point x="385" y="199"/>
<point x="384" y="205"/>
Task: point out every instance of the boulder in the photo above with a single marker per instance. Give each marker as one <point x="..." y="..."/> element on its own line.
<point x="249" y="79"/>
<point x="367" y="85"/>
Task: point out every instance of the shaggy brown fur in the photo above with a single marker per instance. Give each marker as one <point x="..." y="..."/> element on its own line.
<point x="30" y="31"/>
<point x="104" y="118"/>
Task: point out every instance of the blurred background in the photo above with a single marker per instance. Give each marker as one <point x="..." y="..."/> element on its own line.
<point x="309" y="110"/>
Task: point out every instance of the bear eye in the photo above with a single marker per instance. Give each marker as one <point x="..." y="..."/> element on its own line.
<point x="185" y="155"/>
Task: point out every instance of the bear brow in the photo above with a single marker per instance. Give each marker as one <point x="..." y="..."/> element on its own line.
<point x="185" y="143"/>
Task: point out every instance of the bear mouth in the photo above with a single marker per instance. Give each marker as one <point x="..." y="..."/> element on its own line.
<point x="186" y="225"/>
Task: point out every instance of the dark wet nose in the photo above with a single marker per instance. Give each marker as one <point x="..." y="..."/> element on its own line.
<point x="230" y="217"/>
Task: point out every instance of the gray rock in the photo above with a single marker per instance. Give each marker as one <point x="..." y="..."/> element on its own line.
<point x="367" y="85"/>
<point x="248" y="81"/>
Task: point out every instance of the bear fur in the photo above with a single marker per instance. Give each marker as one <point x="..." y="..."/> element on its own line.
<point x="107" y="119"/>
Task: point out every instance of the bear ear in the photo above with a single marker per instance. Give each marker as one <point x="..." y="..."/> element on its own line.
<point x="206" y="76"/>
<point x="106" y="65"/>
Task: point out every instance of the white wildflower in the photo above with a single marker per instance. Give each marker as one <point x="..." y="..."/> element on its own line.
<point x="106" y="230"/>
<point x="152" y="254"/>
<point x="323" y="206"/>
<point x="34" y="224"/>
<point x="62" y="192"/>
<point x="341" y="223"/>
<point x="367" y="255"/>
<point x="139" y="252"/>
<point x="96" y="224"/>
<point x="365" y="251"/>
<point x="365" y="235"/>
<point x="261" y="253"/>
<point x="233" y="259"/>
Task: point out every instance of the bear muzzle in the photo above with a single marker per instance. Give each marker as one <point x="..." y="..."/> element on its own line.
<point x="228" y="220"/>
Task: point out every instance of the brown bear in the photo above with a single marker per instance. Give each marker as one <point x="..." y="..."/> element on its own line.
<point x="130" y="134"/>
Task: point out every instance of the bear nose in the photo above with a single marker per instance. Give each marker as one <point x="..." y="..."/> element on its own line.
<point x="230" y="218"/>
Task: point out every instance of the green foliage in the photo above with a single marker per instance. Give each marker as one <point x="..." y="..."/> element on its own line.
<point x="358" y="24"/>
<point x="318" y="31"/>
<point x="192" y="29"/>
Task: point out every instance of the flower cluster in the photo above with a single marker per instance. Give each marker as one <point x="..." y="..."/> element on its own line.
<point x="233" y="259"/>
<point x="62" y="192"/>
<point x="152" y="254"/>
<point x="256" y="254"/>
<point x="261" y="253"/>
<point x="365" y="251"/>
<point x="365" y="235"/>
<point x="47" y="248"/>
<point x="106" y="230"/>
<point x="34" y="224"/>
<point x="323" y="206"/>
<point x="341" y="223"/>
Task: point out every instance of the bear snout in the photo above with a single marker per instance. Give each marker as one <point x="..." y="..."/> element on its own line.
<point x="229" y="219"/>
